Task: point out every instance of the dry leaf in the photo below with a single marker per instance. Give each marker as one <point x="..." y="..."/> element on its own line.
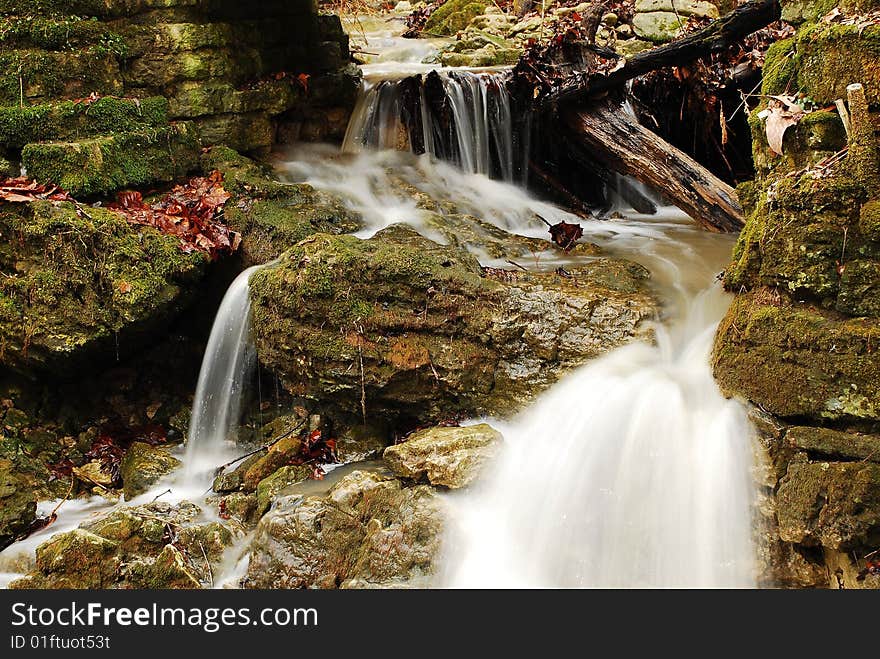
<point x="781" y="113"/>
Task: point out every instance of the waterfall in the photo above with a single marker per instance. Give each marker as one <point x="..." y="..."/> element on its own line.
<point x="460" y="116"/>
<point x="633" y="472"/>
<point x="226" y="371"/>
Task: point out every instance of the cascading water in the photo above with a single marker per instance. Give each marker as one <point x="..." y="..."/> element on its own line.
<point x="225" y="373"/>
<point x="632" y="472"/>
<point x="460" y="116"/>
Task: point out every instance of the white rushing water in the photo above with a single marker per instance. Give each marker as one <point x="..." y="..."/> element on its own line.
<point x="225" y="375"/>
<point x="632" y="471"/>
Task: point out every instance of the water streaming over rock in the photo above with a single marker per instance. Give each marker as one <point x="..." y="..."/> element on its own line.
<point x="224" y="377"/>
<point x="632" y="472"/>
<point x="460" y="116"/>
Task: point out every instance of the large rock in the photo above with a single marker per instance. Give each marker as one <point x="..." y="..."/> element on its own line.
<point x="412" y="330"/>
<point x="658" y="26"/>
<point x="143" y="465"/>
<point x="451" y="457"/>
<point x="698" y="8"/>
<point x="18" y="505"/>
<point x="369" y="530"/>
<point x="75" y="285"/>
<point x="797" y="360"/>
<point x="832" y="504"/>
<point x="154" y="546"/>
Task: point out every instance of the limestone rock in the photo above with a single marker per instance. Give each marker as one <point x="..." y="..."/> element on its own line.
<point x="657" y="26"/>
<point x="424" y="333"/>
<point x="833" y="504"/>
<point x="143" y="465"/>
<point x="451" y="457"/>
<point x="699" y="8"/>
<point x="368" y="530"/>
<point x="270" y="486"/>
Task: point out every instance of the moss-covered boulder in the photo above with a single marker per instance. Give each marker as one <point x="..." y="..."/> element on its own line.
<point x="18" y="505"/>
<point x="408" y="329"/>
<point x="157" y="545"/>
<point x="143" y="465"/>
<point x="453" y="16"/>
<point x="77" y="282"/>
<point x="831" y="504"/>
<point x="272" y="215"/>
<point x="77" y="559"/>
<point x="797" y="360"/>
<point x="104" y="164"/>
<point x="269" y="487"/>
<point x="450" y="457"/>
<point x="369" y="530"/>
<point x="835" y="443"/>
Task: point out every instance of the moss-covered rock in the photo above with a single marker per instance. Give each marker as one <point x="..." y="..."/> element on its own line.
<point x="104" y="164"/>
<point x="368" y="530"/>
<point x="75" y="280"/>
<point x="451" y="457"/>
<point x="835" y="443"/>
<point x="18" y="505"/>
<point x="77" y="559"/>
<point x="832" y="504"/>
<point x="269" y="487"/>
<point x="796" y="360"/>
<point x="271" y="215"/>
<point x="67" y="120"/>
<point x="453" y="16"/>
<point x="157" y="545"/>
<point x="143" y="465"/>
<point x="411" y="329"/>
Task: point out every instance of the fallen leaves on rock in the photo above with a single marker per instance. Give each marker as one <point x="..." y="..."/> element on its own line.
<point x="191" y="212"/>
<point x="22" y="190"/>
<point x="781" y="113"/>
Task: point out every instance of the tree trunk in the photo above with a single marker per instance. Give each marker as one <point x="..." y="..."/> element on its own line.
<point x="715" y="37"/>
<point x="618" y="142"/>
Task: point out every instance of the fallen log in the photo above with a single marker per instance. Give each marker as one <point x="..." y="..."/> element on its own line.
<point x="618" y="142"/>
<point x="715" y="37"/>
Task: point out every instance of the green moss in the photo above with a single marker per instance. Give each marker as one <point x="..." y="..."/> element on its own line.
<point x="832" y="56"/>
<point x="40" y="75"/>
<point x="453" y="16"/>
<point x="106" y="164"/>
<point x="73" y="281"/>
<point x="68" y="120"/>
<point x="766" y="343"/>
<point x="780" y="68"/>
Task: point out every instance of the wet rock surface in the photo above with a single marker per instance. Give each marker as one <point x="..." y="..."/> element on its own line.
<point x="406" y="327"/>
<point x="450" y="457"/>
<point x="800" y="340"/>
<point x="369" y="530"/>
<point x="157" y="545"/>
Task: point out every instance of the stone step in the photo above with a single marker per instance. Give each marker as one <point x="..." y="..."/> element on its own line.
<point x="102" y="165"/>
<point x="71" y="33"/>
<point x="127" y="8"/>
<point x="69" y="120"/>
<point x="37" y="75"/>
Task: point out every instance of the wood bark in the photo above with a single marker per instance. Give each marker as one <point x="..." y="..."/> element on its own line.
<point x="618" y="142"/>
<point x="715" y="37"/>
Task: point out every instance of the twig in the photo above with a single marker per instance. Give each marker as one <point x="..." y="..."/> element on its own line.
<point x="208" y="564"/>
<point x="514" y="263"/>
<point x="261" y="448"/>
<point x="161" y="494"/>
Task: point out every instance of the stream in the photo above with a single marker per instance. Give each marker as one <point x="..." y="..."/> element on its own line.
<point x="647" y="481"/>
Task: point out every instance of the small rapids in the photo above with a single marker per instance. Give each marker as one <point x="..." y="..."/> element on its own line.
<point x="632" y="471"/>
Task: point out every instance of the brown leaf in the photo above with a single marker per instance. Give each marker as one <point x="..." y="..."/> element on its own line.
<point x="566" y="235"/>
<point x="781" y="113"/>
